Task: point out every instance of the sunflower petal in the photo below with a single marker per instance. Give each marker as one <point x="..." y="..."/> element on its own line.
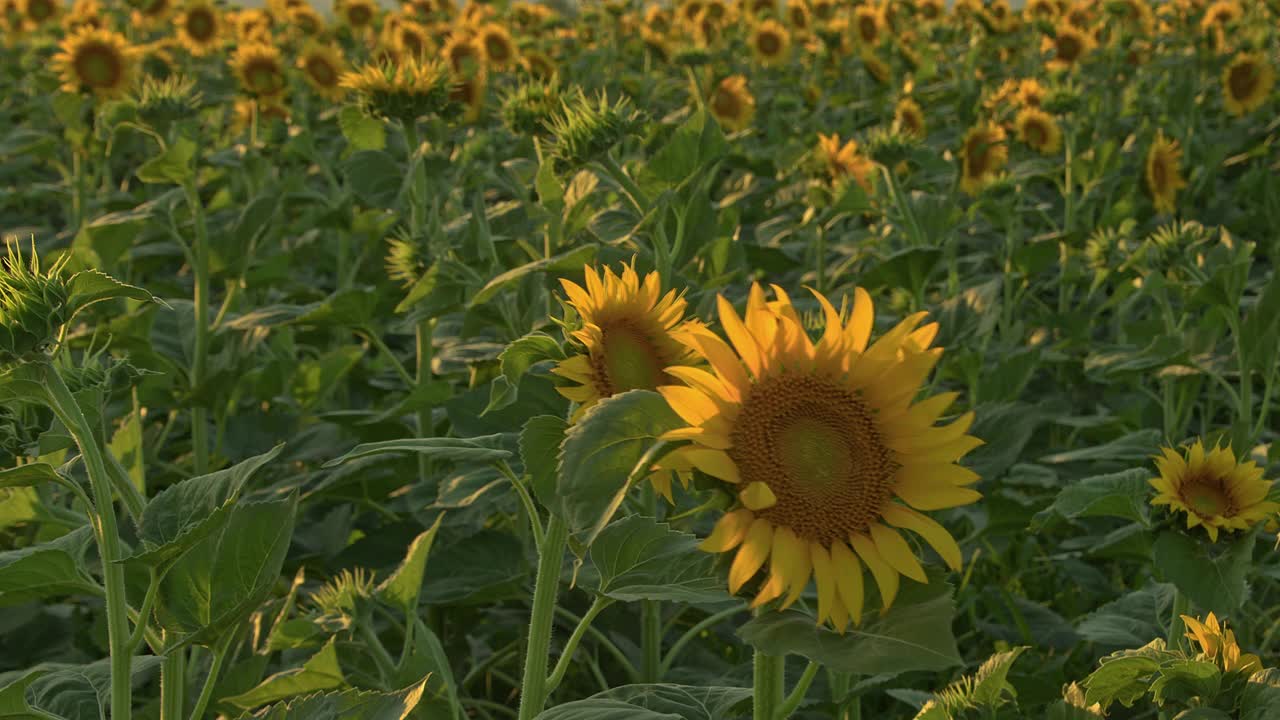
<point x="751" y="554"/>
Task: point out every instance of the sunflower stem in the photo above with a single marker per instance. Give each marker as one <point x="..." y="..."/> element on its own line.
<point x="211" y="680"/>
<point x="534" y="689"/>
<point x="1181" y="606"/>
<point x="566" y="656"/>
<point x="768" y="685"/>
<point x="173" y="685"/>
<point x="797" y="693"/>
<point x="200" y="306"/>
<point x="651" y="641"/>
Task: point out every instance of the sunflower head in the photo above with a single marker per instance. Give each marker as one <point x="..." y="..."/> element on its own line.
<point x="628" y="335"/>
<point x="164" y="102"/>
<point x="404" y="90"/>
<point x="306" y="20"/>
<point x="527" y="109"/>
<point x="908" y="118"/>
<point x="468" y="93"/>
<point x="1040" y="10"/>
<point x="357" y="14"/>
<point x="323" y="66"/>
<point x="931" y="9"/>
<point x="538" y="65"/>
<point x="1039" y="130"/>
<point x="732" y="104"/>
<point x="1221" y="15"/>
<point x="868" y="23"/>
<point x="824" y="449"/>
<point x="584" y="129"/>
<point x="199" y="27"/>
<point x="33" y="304"/>
<point x="97" y="61"/>
<point x="1218" y="645"/>
<point x="151" y="13"/>
<point x="464" y="54"/>
<point x="843" y="162"/>
<point x="876" y="67"/>
<point x="1213" y="489"/>
<point x="84" y="13"/>
<point x="1247" y="83"/>
<point x="260" y="69"/>
<point x="1164" y="172"/>
<point x="252" y="25"/>
<point x="1068" y="46"/>
<point x="499" y="49"/>
<point x="770" y="42"/>
<point x="983" y="156"/>
<point x="407" y="38"/>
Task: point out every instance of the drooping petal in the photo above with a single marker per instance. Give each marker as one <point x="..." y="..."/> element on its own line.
<point x="751" y="554"/>
<point x="886" y="577"/>
<point x="929" y="529"/>
<point x="729" y="532"/>
<point x="897" y="552"/>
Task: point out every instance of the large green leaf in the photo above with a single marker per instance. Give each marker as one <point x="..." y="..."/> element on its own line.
<point x="320" y="672"/>
<point x="171" y="166"/>
<point x="1136" y="446"/>
<point x="693" y="147"/>
<point x="474" y="450"/>
<point x="540" y="442"/>
<point x="641" y="559"/>
<point x="404" y="585"/>
<point x="1124" y="494"/>
<point x="1125" y="676"/>
<point x="90" y="286"/>
<point x="346" y="705"/>
<point x="1132" y="621"/>
<point x="915" y="634"/>
<point x="185" y="513"/>
<point x="82" y="692"/>
<point x="515" y="361"/>
<point x="1212" y="575"/>
<point x="47" y="570"/>
<point x="29" y="475"/>
<point x="374" y="176"/>
<point x="565" y="262"/>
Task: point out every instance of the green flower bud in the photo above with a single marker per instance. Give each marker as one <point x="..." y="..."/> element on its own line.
<point x="164" y="102"/>
<point x="33" y="305"/>
<point x="586" y="129"/>
<point x="528" y="109"/>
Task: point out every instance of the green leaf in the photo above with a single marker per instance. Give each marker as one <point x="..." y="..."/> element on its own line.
<point x="225" y="576"/>
<point x="315" y="380"/>
<point x="82" y="692"/>
<point x="1260" y="699"/>
<point x="641" y="559"/>
<point x="684" y="701"/>
<point x="1136" y="446"/>
<point x="320" y="672"/>
<point x="1184" y="680"/>
<point x="346" y="705"/>
<point x="90" y="286"/>
<point x="404" y="585"/>
<point x="565" y="262"/>
<point x="1125" y="676"/>
<point x="374" y="176"/>
<point x="693" y="147"/>
<point x="485" y="567"/>
<point x="550" y="190"/>
<point x="601" y="453"/>
<point x="592" y="709"/>
<point x="351" y="308"/>
<point x="463" y="450"/>
<point x="991" y="685"/>
<point x="428" y="659"/>
<point x="172" y="166"/>
<point x="361" y="131"/>
<point x="908" y="268"/>
<point x="1212" y="575"/>
<point x="516" y="360"/>
<point x="1123" y="494"/>
<point x="540" y="442"/>
<point x="915" y="634"/>
<point x="1133" y="620"/>
<point x="29" y="475"/>
<point x="185" y="513"/>
<point x="13" y="692"/>
<point x="47" y="570"/>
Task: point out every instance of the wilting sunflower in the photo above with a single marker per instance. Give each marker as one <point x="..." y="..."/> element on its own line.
<point x="1218" y="644"/>
<point x="771" y="42"/>
<point x="323" y="66"/>
<point x="908" y="118"/>
<point x="827" y="453"/>
<point x="868" y="22"/>
<point x="97" y="61"/>
<point x="844" y="162"/>
<point x="628" y="335"/>
<point x="1038" y="130"/>
<point x="499" y="48"/>
<point x="199" y="27"/>
<point x="1164" y="172"/>
<point x="1213" y="489"/>
<point x="1247" y="83"/>
<point x="260" y="69"/>
<point x="982" y="157"/>
<point x="1069" y="44"/>
<point x="732" y="104"/>
<point x="357" y="14"/>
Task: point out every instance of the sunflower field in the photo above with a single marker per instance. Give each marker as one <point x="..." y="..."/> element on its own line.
<point x="640" y="360"/>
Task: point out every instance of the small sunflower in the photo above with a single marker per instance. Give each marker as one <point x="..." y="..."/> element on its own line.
<point x="306" y="20"/>
<point x="1164" y="172"/>
<point x="844" y="162"/>
<point x="1247" y="83"/>
<point x="876" y="68"/>
<point x="824" y="448"/>
<point x="908" y="118"/>
<point x="252" y="25"/>
<point x="1218" y="644"/>
<point x="732" y="104"/>
<point x="39" y="12"/>
<point x="982" y="157"/>
<point x="97" y="61"/>
<point x="408" y="38"/>
<point x="1034" y="10"/>
<point x="152" y="13"/>
<point x="628" y="336"/>
<point x="199" y="27"/>
<point x="931" y="9"/>
<point x="1213" y="489"/>
<point x="324" y="66"/>
<point x="260" y="69"/>
<point x="357" y="14"/>
<point x="868" y="21"/>
<point x="1069" y="45"/>
<point x="84" y="13"/>
<point x="771" y="42"/>
<point x="798" y="15"/>
<point x="1038" y="130"/>
<point x="1220" y="15"/>
<point x="463" y="53"/>
<point x="1030" y="93"/>
<point x="499" y="48"/>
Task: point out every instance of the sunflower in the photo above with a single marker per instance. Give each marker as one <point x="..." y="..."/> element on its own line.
<point x="39" y="12"/>
<point x="97" y="61"/>
<point x="463" y="53"/>
<point x="1040" y="10"/>
<point x="1038" y="130"/>
<point x="868" y="21"/>
<point x="306" y="19"/>
<point x="1069" y="44"/>
<point x="931" y="9"/>
<point x="823" y="10"/>
<point x="827" y="453"/>
<point x="407" y="38"/>
<point x="908" y="118"/>
<point x="657" y="19"/>
<point x="252" y="25"/>
<point x="770" y="42"/>
<point x="402" y="90"/>
<point x="1213" y="489"/>
<point x="1247" y="83"/>
<point x="199" y="27"/>
<point x="260" y="69"/>
<point x="84" y="13"/>
<point x="798" y="15"/>
<point x="324" y="66"/>
<point x="499" y="49"/>
<point x="469" y="91"/>
<point x="1219" y="15"/>
<point x="357" y="14"/>
<point x="1164" y="172"/>
<point x="876" y="68"/>
<point x="732" y="104"/>
<point x="982" y="157"/>
<point x="844" y="162"/>
<point x="152" y="13"/>
<point x="629" y="331"/>
<point x="1218" y="644"/>
<point x="1030" y="93"/>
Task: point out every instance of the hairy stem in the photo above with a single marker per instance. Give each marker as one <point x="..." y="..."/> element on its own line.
<point x="533" y="689"/>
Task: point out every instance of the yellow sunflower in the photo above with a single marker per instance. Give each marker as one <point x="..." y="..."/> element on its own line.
<point x="1247" y="83"/>
<point x="1040" y="10"/>
<point x="84" y="13"/>
<point x="1069" y="45"/>
<point x="1213" y="489"/>
<point x="657" y="19"/>
<point x="198" y="27"/>
<point x="39" y="12"/>
<point x="323" y="66"/>
<point x="470" y="91"/>
<point x="770" y="42"/>
<point x="306" y="19"/>
<point x="868" y="21"/>
<point x="97" y="61"/>
<point x="1219" y="15"/>
<point x="982" y="157"/>
<point x="844" y="162"/>
<point x="732" y="104"/>
<point x="463" y="53"/>
<point x="798" y="15"/>
<point x="407" y="38"/>
<point x="908" y="118"/>
<point x="1030" y="93"/>
<point x="357" y="14"/>
<point x="931" y="9"/>
<point x="1038" y="130"/>
<point x="152" y="13"/>
<point x="499" y="48"/>
<point x="1218" y="644"/>
<point x="253" y="25"/>
<point x="876" y="68"/>
<point x="1164" y="172"/>
<point x="628" y="335"/>
<point x="828" y="454"/>
<point x="260" y="69"/>
<point x="823" y="10"/>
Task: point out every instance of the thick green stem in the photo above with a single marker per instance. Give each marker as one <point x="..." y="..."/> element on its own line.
<point x="566" y="656"/>
<point x="651" y="641"/>
<point x="386" y="665"/>
<point x="64" y="405"/>
<point x="533" y="689"/>
<point x="199" y="356"/>
<point x="768" y="685"/>
<point x="173" y="685"/>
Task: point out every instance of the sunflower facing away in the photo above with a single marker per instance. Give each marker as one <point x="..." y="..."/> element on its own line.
<point x="1213" y="489"/>
<point x="771" y="42"/>
<point x="323" y="66"/>
<point x="403" y="90"/>
<point x="199" y="28"/>
<point x="1219" y="645"/>
<point x="732" y="104"/>
<point x="829" y="457"/>
<point x="908" y="118"/>
<point x="97" y="61"/>
<point x="1164" y="172"/>
<point x="982" y="157"/>
<point x="1247" y="83"/>
<point x="1038" y="130"/>
<point x="260" y="69"/>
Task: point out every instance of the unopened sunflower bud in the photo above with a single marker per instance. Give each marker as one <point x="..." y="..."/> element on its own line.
<point x="33" y="305"/>
<point x="405" y="90"/>
<point x="585" y="129"/>
<point x="528" y="109"/>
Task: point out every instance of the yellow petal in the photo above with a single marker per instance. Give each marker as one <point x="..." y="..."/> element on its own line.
<point x="729" y="532"/>
<point x="886" y="577"/>
<point x="929" y="529"/>
<point x="704" y="381"/>
<point x="715" y="463"/>
<point x="848" y="579"/>
<point x="751" y="554"/>
<point x="758" y="496"/>
<point x="825" y="578"/>
<point x="691" y="405"/>
<point x="897" y="552"/>
<point x="793" y="558"/>
<point x="858" y="331"/>
<point x="739" y="335"/>
<point x="926" y="493"/>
